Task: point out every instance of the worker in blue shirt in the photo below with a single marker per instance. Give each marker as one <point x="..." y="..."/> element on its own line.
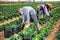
<point x="26" y="11"/>
<point x="43" y="8"/>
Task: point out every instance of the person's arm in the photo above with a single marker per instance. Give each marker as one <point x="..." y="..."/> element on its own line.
<point x="23" y="19"/>
<point x="39" y="12"/>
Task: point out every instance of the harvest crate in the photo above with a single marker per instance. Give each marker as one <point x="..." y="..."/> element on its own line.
<point x="2" y="35"/>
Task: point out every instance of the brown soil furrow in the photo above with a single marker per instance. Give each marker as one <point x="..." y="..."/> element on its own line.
<point x="2" y="35"/>
<point x="54" y="31"/>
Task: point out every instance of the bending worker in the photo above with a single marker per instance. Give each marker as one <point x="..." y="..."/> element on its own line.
<point x="26" y="11"/>
<point x="44" y="8"/>
<point x="49" y="7"/>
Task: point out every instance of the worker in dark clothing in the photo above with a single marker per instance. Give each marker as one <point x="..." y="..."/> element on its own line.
<point x="49" y="7"/>
<point x="43" y="8"/>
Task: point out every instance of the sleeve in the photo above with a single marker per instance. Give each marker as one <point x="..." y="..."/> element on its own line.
<point x="39" y="12"/>
<point x="23" y="18"/>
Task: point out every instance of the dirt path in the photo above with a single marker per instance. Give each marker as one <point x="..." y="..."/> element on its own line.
<point x="10" y="20"/>
<point x="54" y="31"/>
<point x="2" y="35"/>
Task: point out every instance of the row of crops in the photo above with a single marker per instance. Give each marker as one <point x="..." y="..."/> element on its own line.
<point x="32" y="34"/>
<point x="12" y="29"/>
<point x="9" y="11"/>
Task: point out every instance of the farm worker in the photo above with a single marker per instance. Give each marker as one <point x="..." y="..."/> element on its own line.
<point x="43" y="8"/>
<point x="26" y="11"/>
<point x="49" y="7"/>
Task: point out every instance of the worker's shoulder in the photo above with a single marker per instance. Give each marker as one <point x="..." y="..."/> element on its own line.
<point x="27" y="7"/>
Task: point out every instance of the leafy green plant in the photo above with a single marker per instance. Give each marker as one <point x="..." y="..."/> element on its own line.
<point x="16" y="37"/>
<point x="45" y="31"/>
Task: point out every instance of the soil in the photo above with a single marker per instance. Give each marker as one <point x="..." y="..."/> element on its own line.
<point x="54" y="31"/>
<point x="2" y="35"/>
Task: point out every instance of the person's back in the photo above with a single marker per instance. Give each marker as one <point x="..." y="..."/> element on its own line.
<point x="26" y="12"/>
<point x="42" y="5"/>
<point x="42" y="9"/>
<point x="27" y="8"/>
